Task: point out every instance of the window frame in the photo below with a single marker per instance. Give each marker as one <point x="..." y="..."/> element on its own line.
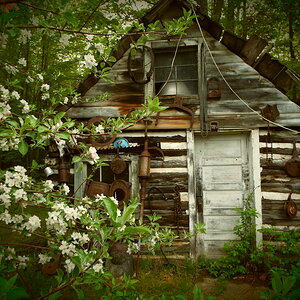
<point x="80" y="175"/>
<point x="193" y="49"/>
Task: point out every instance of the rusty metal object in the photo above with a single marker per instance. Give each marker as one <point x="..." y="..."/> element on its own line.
<point x="270" y="112"/>
<point x="177" y="104"/>
<point x="177" y="207"/>
<point x="292" y="166"/>
<point x="290" y="207"/>
<point x="118" y="165"/>
<point x="103" y="139"/>
<point x="213" y="88"/>
<point x="146" y="76"/>
<point x="96" y="187"/>
<point x="63" y="171"/>
<point x="150" y="197"/>
<point x="122" y="186"/>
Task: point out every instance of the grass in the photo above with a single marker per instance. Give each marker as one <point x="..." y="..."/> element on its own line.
<point x="158" y="278"/>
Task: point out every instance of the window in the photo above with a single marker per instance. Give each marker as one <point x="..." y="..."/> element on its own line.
<point x="183" y="79"/>
<point x="105" y="175"/>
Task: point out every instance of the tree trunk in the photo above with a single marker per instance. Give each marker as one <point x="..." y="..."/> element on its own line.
<point x="203" y="6"/>
<point x="217" y="10"/>
<point x="229" y="15"/>
<point x="291" y="37"/>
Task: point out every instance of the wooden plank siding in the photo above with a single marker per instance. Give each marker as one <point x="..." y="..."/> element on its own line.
<point x="276" y="184"/>
<point x="170" y="132"/>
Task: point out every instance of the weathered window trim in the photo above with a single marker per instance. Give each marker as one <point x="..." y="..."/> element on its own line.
<point x="81" y="175"/>
<point x="158" y="45"/>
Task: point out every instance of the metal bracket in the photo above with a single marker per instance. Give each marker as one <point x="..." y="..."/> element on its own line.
<point x="177" y="104"/>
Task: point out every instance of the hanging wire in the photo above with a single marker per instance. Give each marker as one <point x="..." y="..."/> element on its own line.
<point x="172" y="66"/>
<point x="229" y="86"/>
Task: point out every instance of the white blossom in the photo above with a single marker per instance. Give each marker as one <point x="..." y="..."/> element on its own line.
<point x="45" y="87"/>
<point x="22" y="61"/>
<point x="93" y="154"/>
<point x="99" y="266"/>
<point x="133" y="248"/>
<point x="79" y="238"/>
<point x="24" y="36"/>
<point x="43" y="258"/>
<point x="22" y="261"/>
<point x="40" y="77"/>
<point x="26" y="107"/>
<point x="99" y="129"/>
<point x="69" y="265"/>
<point x="90" y="61"/>
<point x="68" y="249"/>
<point x="65" y="189"/>
<point x="29" y="79"/>
<point x="16" y="95"/>
<point x="5" y="200"/>
<point x="3" y="40"/>
<point x="20" y="194"/>
<point x="33" y="223"/>
<point x="64" y="39"/>
<point x="6" y="217"/>
<point x="48" y="185"/>
<point x="11" y="69"/>
<point x="45" y="96"/>
<point x="56" y="222"/>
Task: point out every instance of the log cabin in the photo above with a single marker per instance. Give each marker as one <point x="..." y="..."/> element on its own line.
<point x="229" y="132"/>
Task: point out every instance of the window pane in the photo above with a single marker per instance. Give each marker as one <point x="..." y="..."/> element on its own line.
<point x="187" y="72"/>
<point x="187" y="88"/>
<point x="186" y="58"/>
<point x="161" y="74"/>
<point x="169" y="89"/>
<point x="163" y="59"/>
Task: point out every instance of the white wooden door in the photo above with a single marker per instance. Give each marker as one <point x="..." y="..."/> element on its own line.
<point x="222" y="174"/>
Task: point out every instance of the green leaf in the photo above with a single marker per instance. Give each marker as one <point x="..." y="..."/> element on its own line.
<point x="133" y="51"/>
<point x="41" y="129"/>
<point x="17" y="293"/>
<point x="64" y="135"/>
<point x="76" y="159"/>
<point x="137" y="229"/>
<point x="23" y="147"/>
<point x="79" y="292"/>
<point x="55" y="296"/>
<point x="13" y="123"/>
<point x="58" y="117"/>
<point x="6" y="132"/>
<point x="111" y="208"/>
<point x="31" y="120"/>
<point x="127" y="213"/>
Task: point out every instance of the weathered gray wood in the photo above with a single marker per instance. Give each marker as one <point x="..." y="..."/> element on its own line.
<point x="233" y="42"/>
<point x="252" y="49"/>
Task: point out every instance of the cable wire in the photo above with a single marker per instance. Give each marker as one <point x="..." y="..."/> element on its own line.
<point x="229" y="86"/>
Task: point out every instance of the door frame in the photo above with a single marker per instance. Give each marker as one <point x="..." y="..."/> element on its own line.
<point x="197" y="241"/>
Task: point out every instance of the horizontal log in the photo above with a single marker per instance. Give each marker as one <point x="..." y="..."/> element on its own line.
<point x="157" y="205"/>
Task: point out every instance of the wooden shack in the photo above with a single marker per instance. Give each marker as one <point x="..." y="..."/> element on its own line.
<point x="227" y="134"/>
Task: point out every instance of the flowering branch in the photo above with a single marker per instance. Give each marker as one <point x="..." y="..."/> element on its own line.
<point x="25" y="245"/>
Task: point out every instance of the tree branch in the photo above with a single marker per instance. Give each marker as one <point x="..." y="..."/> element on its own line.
<point x="29" y="5"/>
<point x="91" y="14"/>
<point x="83" y="32"/>
<point x="25" y="245"/>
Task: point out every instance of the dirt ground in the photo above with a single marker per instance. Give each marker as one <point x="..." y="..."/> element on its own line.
<point x="239" y="288"/>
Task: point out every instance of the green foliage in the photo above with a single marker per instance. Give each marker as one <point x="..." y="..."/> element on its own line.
<point x="284" y="288"/>
<point x="238" y="253"/>
<point x="279" y="252"/>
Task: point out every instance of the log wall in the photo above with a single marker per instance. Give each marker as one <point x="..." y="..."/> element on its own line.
<point x="276" y="184"/>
